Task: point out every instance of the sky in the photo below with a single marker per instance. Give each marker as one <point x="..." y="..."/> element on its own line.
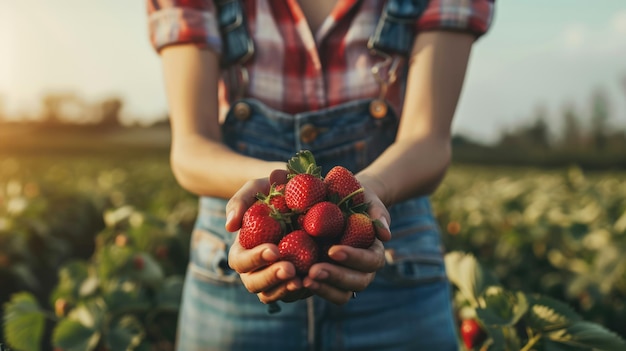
<point x="538" y="53"/>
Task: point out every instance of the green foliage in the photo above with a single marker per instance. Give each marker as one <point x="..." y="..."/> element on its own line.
<point x="120" y="294"/>
<point x="538" y="254"/>
<point x="516" y="321"/>
<point x="24" y="322"/>
<point x="557" y="233"/>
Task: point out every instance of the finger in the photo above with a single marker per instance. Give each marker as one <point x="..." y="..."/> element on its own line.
<point x="269" y="277"/>
<point x="278" y="176"/>
<point x="328" y="292"/>
<point x="282" y="293"/>
<point x="273" y="295"/>
<point x="245" y="261"/>
<point x="364" y="260"/>
<point x="341" y="278"/>
<point x="378" y="212"/>
<point x="242" y="200"/>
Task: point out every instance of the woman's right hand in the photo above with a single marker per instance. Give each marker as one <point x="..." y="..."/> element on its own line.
<point x="259" y="268"/>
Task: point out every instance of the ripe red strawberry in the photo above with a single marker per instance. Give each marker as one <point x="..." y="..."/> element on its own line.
<point x="303" y="191"/>
<point x="323" y="219"/>
<point x="299" y="248"/>
<point x="341" y="182"/>
<point x="472" y="333"/>
<point x="138" y="262"/>
<point x="275" y="198"/>
<point x="260" y="224"/>
<point x="359" y="231"/>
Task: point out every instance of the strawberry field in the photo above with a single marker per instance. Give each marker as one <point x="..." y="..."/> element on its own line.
<point x="93" y="251"/>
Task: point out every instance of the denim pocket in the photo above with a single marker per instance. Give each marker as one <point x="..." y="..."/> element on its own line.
<point x="414" y="255"/>
<point x="410" y="262"/>
<point x="209" y="259"/>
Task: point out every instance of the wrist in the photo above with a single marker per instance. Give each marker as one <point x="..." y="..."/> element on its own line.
<point x="375" y="184"/>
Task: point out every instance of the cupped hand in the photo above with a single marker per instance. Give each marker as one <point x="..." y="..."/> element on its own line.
<point x="259" y="268"/>
<point x="355" y="268"/>
<point x="263" y="274"/>
<point x="353" y="271"/>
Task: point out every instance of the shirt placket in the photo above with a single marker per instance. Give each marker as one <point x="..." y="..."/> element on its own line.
<point x="313" y="84"/>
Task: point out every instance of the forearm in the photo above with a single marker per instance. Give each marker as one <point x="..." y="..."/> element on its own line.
<point x="199" y="160"/>
<point x="417" y="161"/>
<point x="208" y="168"/>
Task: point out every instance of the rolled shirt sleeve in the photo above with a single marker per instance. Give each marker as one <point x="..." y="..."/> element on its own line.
<point x="474" y="16"/>
<point x="172" y="22"/>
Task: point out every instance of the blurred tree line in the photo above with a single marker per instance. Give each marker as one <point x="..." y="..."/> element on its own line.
<point x="69" y="109"/>
<point x="589" y="137"/>
<point x="586" y="134"/>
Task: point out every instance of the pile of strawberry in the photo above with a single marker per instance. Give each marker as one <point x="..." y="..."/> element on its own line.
<point x="309" y="214"/>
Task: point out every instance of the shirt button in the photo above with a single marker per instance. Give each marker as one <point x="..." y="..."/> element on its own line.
<point x="241" y="110"/>
<point x="378" y="108"/>
<point x="308" y="133"/>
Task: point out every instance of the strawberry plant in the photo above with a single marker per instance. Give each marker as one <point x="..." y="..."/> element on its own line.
<point x="492" y="317"/>
<point x="124" y="297"/>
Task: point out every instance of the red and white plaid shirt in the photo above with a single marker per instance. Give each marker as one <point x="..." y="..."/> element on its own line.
<point x="295" y="70"/>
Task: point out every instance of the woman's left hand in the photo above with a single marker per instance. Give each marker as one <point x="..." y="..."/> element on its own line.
<point x="355" y="268"/>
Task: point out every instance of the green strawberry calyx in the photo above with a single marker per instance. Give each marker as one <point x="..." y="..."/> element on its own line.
<point x="303" y="163"/>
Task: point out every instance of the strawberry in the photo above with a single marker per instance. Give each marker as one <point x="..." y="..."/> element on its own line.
<point x="299" y="248"/>
<point x="303" y="191"/>
<point x="359" y="231"/>
<point x="260" y="224"/>
<point x="323" y="219"/>
<point x="342" y="183"/>
<point x="472" y="333"/>
<point x="138" y="262"/>
<point x="275" y="198"/>
<point x="278" y="199"/>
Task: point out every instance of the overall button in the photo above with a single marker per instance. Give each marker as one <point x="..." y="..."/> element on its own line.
<point x="241" y="110"/>
<point x="378" y="108"/>
<point x="308" y="133"/>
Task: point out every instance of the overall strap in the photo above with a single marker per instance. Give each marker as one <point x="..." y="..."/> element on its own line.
<point x="237" y="45"/>
<point x="395" y="31"/>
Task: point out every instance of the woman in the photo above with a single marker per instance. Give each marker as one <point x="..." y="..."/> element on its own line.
<point x="371" y="85"/>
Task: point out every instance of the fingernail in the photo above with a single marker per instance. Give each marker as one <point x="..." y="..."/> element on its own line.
<point x="321" y="274"/>
<point x="338" y="255"/>
<point x="383" y="220"/>
<point x="230" y="216"/>
<point x="310" y="284"/>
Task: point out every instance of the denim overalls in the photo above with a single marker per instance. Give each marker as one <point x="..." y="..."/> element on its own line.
<point x="407" y="306"/>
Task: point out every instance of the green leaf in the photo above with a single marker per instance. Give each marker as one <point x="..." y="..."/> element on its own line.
<point x="71" y="335"/>
<point x="303" y="162"/>
<point x="502" y="338"/>
<point x="549" y="345"/>
<point x="23" y="322"/>
<point x="467" y="275"/>
<point x="119" y="299"/>
<point x="125" y="335"/>
<point x="500" y="307"/>
<point x="71" y="276"/>
<point x="546" y="314"/>
<point x="588" y="334"/>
